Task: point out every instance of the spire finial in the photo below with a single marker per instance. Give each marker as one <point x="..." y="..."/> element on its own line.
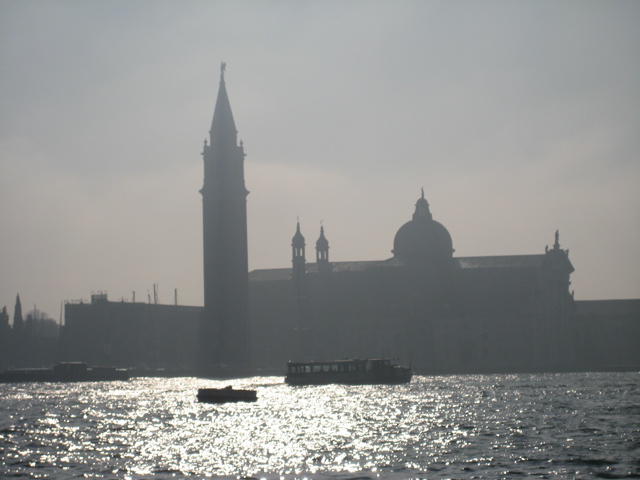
<point x="556" y="245"/>
<point x="223" y="67"/>
<point x="422" y="190"/>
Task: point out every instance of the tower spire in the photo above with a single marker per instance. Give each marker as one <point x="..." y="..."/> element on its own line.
<point x="223" y="127"/>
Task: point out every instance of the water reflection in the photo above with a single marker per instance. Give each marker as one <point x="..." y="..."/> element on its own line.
<point x="489" y="425"/>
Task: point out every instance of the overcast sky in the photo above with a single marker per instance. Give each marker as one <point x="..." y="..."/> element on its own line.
<point x="517" y="117"/>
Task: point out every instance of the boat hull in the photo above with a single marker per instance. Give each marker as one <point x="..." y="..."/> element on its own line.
<point x="224" y="395"/>
<point x="326" y="380"/>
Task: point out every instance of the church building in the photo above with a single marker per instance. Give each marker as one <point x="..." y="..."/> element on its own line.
<point x="422" y="305"/>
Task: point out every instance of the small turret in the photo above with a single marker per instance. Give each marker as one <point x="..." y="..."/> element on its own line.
<point x="298" y="260"/>
<point x="322" y="247"/>
<point x="297" y="245"/>
<point x="558" y="256"/>
<point x="322" y="252"/>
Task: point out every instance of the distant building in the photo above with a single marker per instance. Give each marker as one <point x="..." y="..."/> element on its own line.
<point x="439" y="312"/>
<point x="607" y="332"/>
<point x="30" y="342"/>
<point x="131" y="334"/>
<point x="442" y="313"/>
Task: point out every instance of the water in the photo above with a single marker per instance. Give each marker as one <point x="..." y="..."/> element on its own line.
<point x="467" y="426"/>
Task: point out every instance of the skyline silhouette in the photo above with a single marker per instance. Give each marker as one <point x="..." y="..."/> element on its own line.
<point x="517" y="119"/>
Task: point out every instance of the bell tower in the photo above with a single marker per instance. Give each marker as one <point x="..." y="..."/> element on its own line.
<point x="224" y="332"/>
<point x="298" y="257"/>
<point x="322" y="253"/>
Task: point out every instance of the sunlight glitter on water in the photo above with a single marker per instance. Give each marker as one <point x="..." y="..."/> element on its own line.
<point x="454" y="426"/>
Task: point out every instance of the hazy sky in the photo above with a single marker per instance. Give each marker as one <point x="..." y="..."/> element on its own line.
<point x="517" y="117"/>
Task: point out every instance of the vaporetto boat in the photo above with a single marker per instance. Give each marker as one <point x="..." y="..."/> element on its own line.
<point x="349" y="371"/>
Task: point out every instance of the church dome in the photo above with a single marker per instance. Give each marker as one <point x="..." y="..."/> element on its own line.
<point x="422" y="239"/>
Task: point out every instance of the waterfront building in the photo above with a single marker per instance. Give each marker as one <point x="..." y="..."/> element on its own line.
<point x="423" y="305"/>
<point x="145" y="336"/>
<point x="439" y="312"/>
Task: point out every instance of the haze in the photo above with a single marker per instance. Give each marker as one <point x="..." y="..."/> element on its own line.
<point x="517" y="118"/>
